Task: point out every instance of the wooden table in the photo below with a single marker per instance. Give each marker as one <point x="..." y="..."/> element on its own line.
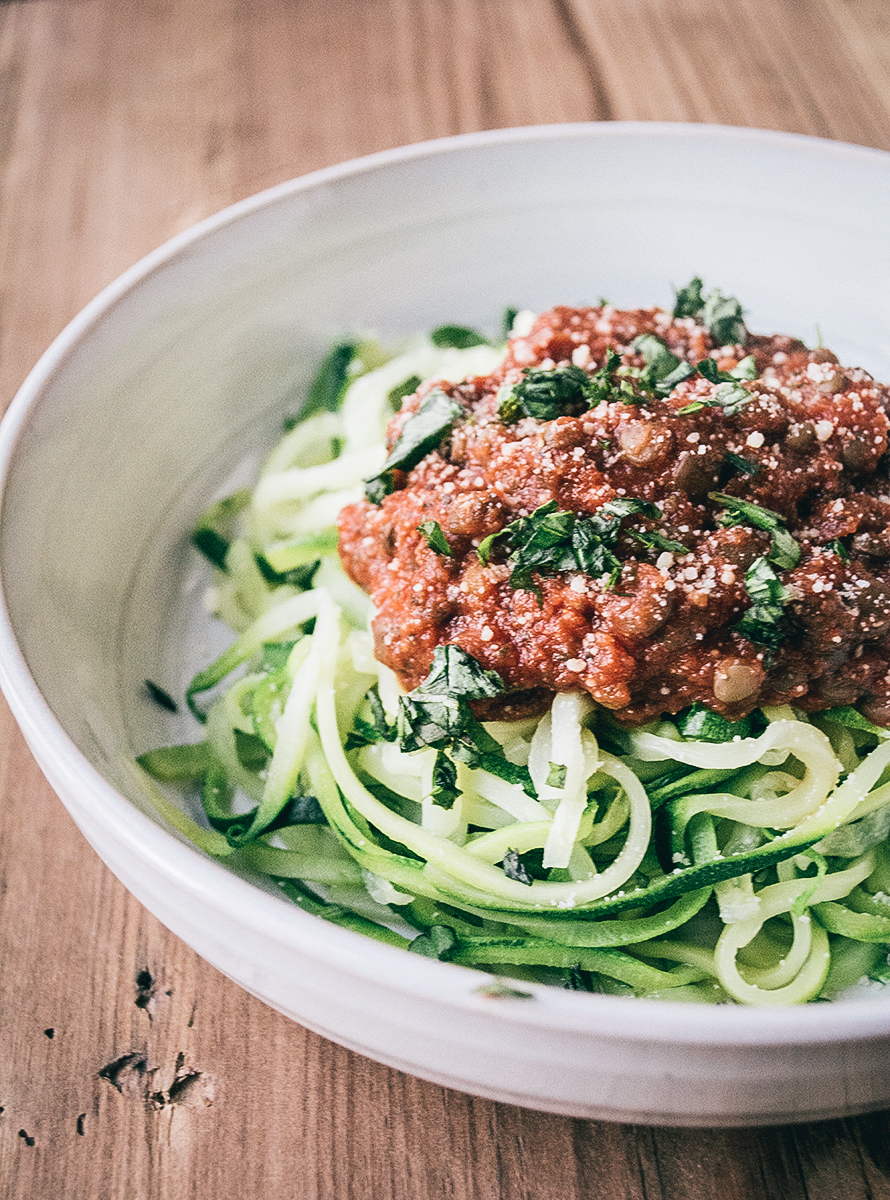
<point x="128" y="1067"/>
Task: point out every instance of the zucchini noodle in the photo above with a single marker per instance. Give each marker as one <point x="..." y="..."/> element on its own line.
<point x="566" y="848"/>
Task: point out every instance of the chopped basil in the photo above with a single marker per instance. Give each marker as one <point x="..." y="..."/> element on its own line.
<point x="378" y="729"/>
<point x="549" y="541"/>
<point x="545" y="394"/>
<point x="436" y="711"/>
<point x="542" y="542"/>
<point x="299" y="577"/>
<point x="160" y="697"/>
<point x="690" y="299"/>
<point x="664" y="370"/>
<point x="731" y="397"/>
<point x="721" y="314"/>
<point x="602" y="387"/>
<point x="444" y="791"/>
<point x="784" y="551"/>
<point x="741" y="464"/>
<point x="838" y="547"/>
<point x="514" y="868"/>
<point x="556" y="776"/>
<point x="440" y="941"/>
<point x="299" y="810"/>
<point x="437" y="714"/>
<point x="653" y="540"/>
<point x="457" y="337"/>
<point x="363" y="733"/>
<point x="745" y="369"/>
<point x="509" y="405"/>
<point x="212" y="545"/>
<point x="625" y="506"/>
<point x="491" y="760"/>
<point x="699" y="723"/>
<point x="408" y="387"/>
<point x="764" y="622"/>
<point x="568" y="390"/>
<point x="216" y="527"/>
<point x="421" y="433"/>
<point x="331" y="381"/>
<point x="510" y="315"/>
<point x="435" y="538"/>
<point x="723" y="317"/>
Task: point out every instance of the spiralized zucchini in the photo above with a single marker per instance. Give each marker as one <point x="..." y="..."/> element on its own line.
<point x="566" y="850"/>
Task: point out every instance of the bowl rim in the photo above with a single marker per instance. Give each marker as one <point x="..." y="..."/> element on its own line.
<point x="150" y="842"/>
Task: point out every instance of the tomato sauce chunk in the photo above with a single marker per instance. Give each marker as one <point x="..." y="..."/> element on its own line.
<point x="629" y="508"/>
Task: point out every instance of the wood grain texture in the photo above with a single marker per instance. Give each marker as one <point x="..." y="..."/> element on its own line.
<point x="130" y="1069"/>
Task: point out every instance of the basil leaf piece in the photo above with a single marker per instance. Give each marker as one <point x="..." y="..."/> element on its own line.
<point x="723" y="317"/>
<point x="467" y="750"/>
<point x="624" y="506"/>
<point x="509" y="405"/>
<point x="839" y="549"/>
<point x="217" y="525"/>
<point x="653" y="540"/>
<point x="746" y="369"/>
<point x="161" y="698"/>
<point x="744" y="512"/>
<point x="556" y="776"/>
<point x="664" y="370"/>
<point x="690" y="299"/>
<point x="408" y="387"/>
<point x="784" y="550"/>
<point x="546" y="394"/>
<point x="549" y="541"/>
<point x="483" y="550"/>
<point x="378" y="729"/>
<point x="436" y="712"/>
<point x="540" y="543"/>
<point x="515" y="869"/>
<point x="510" y="315"/>
<point x="444" y="790"/>
<point x="764" y="622"/>
<point x="331" y="381"/>
<point x="603" y="387"/>
<point x="457" y="673"/>
<point x="299" y="810"/>
<point x="457" y="337"/>
<point x="731" y="397"/>
<point x="421" y="434"/>
<point x="300" y="577"/>
<point x="440" y="941"/>
<point x="432" y="534"/>
<point x="741" y="464"/>
<point x="709" y="370"/>
<point x="212" y="545"/>
<point x="721" y="314"/>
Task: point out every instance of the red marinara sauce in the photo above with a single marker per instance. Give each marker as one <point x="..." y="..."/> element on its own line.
<point x="812" y="440"/>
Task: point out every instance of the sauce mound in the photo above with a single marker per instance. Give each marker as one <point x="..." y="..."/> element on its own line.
<point x="708" y="600"/>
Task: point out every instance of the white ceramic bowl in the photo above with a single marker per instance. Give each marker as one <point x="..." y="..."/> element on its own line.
<point x="184" y="367"/>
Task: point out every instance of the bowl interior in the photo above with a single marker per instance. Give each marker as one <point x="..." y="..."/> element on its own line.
<point x="177" y="379"/>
